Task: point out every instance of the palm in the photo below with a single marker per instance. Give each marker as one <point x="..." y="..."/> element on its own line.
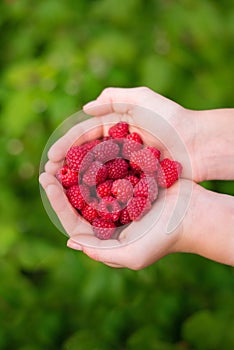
<point x="158" y="226"/>
<point x="154" y="236"/>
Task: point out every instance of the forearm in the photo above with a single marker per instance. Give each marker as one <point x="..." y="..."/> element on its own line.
<point x="213" y="237"/>
<point x="214" y="144"/>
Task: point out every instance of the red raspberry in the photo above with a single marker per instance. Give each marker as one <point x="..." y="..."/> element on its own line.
<point x="134" y="136"/>
<point x="103" y="229"/>
<point x="138" y="207"/>
<point x="146" y="187"/>
<point x="91" y="144"/>
<point x="105" y="151"/>
<point x="117" y="168"/>
<point x="78" y="158"/>
<point x="89" y="211"/>
<point x="104" y="188"/>
<point x="67" y="177"/>
<point x="95" y="174"/>
<point x="106" y="138"/>
<point x="155" y="151"/>
<point x="143" y="160"/>
<point x="109" y="208"/>
<point x="122" y="189"/>
<point x="78" y="195"/>
<point x="118" y="130"/>
<point x="169" y="171"/>
<point x="130" y="146"/>
<point x="124" y="218"/>
<point x="133" y="179"/>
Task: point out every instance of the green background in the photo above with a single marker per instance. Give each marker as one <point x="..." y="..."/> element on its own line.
<point x="56" y="56"/>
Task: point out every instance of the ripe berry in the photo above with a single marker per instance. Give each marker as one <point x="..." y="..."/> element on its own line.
<point x="91" y="144"/>
<point x="133" y="179"/>
<point x="104" y="188"/>
<point x="155" y="151"/>
<point x="67" y="177"/>
<point x="95" y="174"/>
<point x="134" y="136"/>
<point x="122" y="189"/>
<point x="124" y="217"/>
<point x="78" y="195"/>
<point x="109" y="208"/>
<point x="78" y="158"/>
<point x="130" y="146"/>
<point x="106" y="151"/>
<point x="146" y="187"/>
<point x="117" y="168"/>
<point x="169" y="171"/>
<point x="89" y="212"/>
<point x="143" y="160"/>
<point x="118" y="130"/>
<point x="106" y="138"/>
<point x="103" y="229"/>
<point x="138" y="207"/>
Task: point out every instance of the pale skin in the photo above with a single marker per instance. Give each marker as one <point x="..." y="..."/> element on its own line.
<point x="192" y="219"/>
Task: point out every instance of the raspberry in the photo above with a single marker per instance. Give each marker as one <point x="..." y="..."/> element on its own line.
<point x="118" y="130"/>
<point x="122" y="189"/>
<point x="91" y="144"/>
<point x="78" y="158"/>
<point x="143" y="160"/>
<point x="130" y="146"/>
<point x="138" y="207"/>
<point x="78" y="195"/>
<point x="155" y="151"/>
<point x="126" y="174"/>
<point x="117" y="168"/>
<point x="109" y="208"/>
<point x="106" y="138"/>
<point x="133" y="179"/>
<point x="104" y="188"/>
<point x="89" y="211"/>
<point x="105" y="151"/>
<point x="168" y="172"/>
<point x="134" y="136"/>
<point x="67" y="177"/>
<point x="124" y="217"/>
<point x="103" y="229"/>
<point x="96" y="173"/>
<point x="146" y="187"/>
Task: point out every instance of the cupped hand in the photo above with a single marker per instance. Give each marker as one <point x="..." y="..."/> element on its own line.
<point x="169" y="226"/>
<point x="146" y="241"/>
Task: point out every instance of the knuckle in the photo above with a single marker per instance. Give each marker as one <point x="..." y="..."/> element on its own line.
<point x="136" y="265"/>
<point x="144" y="89"/>
<point x="107" y="91"/>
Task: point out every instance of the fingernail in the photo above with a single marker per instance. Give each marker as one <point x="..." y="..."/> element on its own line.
<point x="90" y="104"/>
<point x="74" y="245"/>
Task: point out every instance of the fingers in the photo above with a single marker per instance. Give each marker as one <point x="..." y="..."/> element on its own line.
<point x="52" y="168"/>
<point x="78" y="134"/>
<point x="69" y="218"/>
<point x="118" y="100"/>
<point x="110" y="252"/>
<point x="90" y="252"/>
<point x="122" y="100"/>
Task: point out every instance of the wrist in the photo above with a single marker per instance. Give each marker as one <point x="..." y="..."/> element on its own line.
<point x="213" y="146"/>
<point x="208" y="226"/>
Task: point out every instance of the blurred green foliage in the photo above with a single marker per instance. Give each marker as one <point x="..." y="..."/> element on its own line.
<point x="55" y="56"/>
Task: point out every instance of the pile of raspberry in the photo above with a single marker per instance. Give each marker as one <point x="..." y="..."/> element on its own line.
<point x="114" y="180"/>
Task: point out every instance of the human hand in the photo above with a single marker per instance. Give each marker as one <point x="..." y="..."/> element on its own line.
<point x="172" y="130"/>
<point x="141" y="243"/>
<point x="93" y="128"/>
